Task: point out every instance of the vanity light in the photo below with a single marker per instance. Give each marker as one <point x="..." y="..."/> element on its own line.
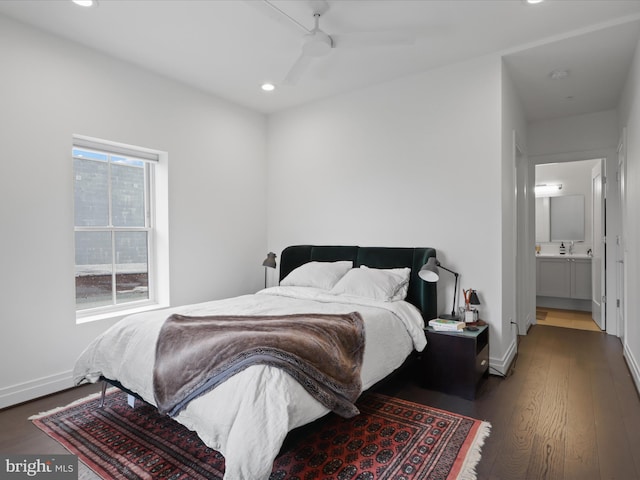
<point x="85" y="3"/>
<point x="545" y="190"/>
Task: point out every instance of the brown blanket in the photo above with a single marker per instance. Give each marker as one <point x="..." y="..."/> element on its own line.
<point x="322" y="352"/>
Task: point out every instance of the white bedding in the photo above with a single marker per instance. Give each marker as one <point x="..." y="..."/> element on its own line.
<point x="247" y="417"/>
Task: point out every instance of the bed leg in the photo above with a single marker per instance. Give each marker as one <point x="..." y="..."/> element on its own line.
<point x="104" y="391"/>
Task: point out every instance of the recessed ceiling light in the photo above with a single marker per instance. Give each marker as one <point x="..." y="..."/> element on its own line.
<point x="533" y="2"/>
<point x="86" y="3"/>
<point x="268" y="87"/>
<point x="559" y="74"/>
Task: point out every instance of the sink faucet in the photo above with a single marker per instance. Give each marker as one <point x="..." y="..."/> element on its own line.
<point x="571" y="248"/>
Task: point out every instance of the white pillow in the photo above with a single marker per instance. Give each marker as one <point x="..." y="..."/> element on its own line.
<point x="388" y="284"/>
<point x="317" y="274"/>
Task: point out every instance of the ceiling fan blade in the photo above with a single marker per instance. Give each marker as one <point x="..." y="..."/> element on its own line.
<point x="298" y="68"/>
<point x="373" y="39"/>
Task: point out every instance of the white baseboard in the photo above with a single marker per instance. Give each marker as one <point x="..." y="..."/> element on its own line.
<point x="634" y="367"/>
<point x="23" y="392"/>
<point x="501" y="365"/>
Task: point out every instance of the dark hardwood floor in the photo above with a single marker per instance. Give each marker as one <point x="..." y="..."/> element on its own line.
<point x="18" y="435"/>
<point x="568" y="410"/>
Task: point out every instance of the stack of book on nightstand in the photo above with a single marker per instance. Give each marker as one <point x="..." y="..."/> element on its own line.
<point x="442" y="325"/>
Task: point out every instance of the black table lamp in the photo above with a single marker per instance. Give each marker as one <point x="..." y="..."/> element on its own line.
<point x="473" y="298"/>
<point x="270" y="262"/>
<point x="430" y="273"/>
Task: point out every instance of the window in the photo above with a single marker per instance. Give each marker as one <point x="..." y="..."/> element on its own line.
<point x="114" y="226"/>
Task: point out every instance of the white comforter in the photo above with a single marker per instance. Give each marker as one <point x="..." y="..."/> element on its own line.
<point x="247" y="417"/>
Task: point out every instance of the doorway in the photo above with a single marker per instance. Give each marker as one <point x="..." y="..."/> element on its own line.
<point x="569" y="225"/>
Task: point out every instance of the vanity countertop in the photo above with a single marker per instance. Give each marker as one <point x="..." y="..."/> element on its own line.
<point x="567" y="255"/>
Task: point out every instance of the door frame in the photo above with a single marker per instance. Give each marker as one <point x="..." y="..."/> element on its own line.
<point x="524" y="238"/>
<point x="599" y="245"/>
<point x="612" y="215"/>
<point x="621" y="244"/>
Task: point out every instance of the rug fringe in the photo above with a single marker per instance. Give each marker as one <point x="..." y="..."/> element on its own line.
<point x="88" y="398"/>
<point x="468" y="470"/>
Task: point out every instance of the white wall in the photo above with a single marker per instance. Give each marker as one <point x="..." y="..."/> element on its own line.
<point x="565" y="138"/>
<point x="630" y="118"/>
<point x="412" y="162"/>
<point x="52" y="89"/>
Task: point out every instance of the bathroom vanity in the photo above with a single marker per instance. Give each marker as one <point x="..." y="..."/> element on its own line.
<point x="567" y="276"/>
<point x="564" y="277"/>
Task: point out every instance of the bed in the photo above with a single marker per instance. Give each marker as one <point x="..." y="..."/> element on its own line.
<point x="253" y="410"/>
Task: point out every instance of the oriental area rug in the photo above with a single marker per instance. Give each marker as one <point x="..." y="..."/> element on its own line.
<point x="390" y="439"/>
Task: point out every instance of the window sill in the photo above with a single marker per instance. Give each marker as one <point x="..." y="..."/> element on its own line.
<point x="119" y="314"/>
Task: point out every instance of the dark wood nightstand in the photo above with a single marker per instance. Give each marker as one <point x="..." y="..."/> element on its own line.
<point x="455" y="363"/>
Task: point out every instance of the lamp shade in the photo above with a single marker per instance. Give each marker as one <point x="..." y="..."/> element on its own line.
<point x="473" y="298"/>
<point x="270" y="261"/>
<point x="429" y="271"/>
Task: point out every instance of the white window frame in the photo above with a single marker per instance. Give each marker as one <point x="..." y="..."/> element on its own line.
<point x="156" y="212"/>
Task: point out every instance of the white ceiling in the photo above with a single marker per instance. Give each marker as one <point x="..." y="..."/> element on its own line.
<point x="230" y="47"/>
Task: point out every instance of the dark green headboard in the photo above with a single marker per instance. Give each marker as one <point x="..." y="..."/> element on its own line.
<point x="421" y="294"/>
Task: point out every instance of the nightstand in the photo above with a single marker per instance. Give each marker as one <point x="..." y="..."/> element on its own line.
<point x="455" y="363"/>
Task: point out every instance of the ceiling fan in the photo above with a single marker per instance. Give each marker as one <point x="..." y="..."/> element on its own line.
<point x="316" y="43"/>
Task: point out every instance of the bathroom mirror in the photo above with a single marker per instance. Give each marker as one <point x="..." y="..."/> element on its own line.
<point x="560" y="219"/>
<point x="566" y="214"/>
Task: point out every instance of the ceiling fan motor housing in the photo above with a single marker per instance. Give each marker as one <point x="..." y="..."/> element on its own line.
<point x="317" y="44"/>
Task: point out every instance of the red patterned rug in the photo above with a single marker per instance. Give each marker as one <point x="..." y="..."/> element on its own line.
<point x="390" y="439"/>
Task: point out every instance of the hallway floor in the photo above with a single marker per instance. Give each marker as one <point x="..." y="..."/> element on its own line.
<point x="554" y="317"/>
